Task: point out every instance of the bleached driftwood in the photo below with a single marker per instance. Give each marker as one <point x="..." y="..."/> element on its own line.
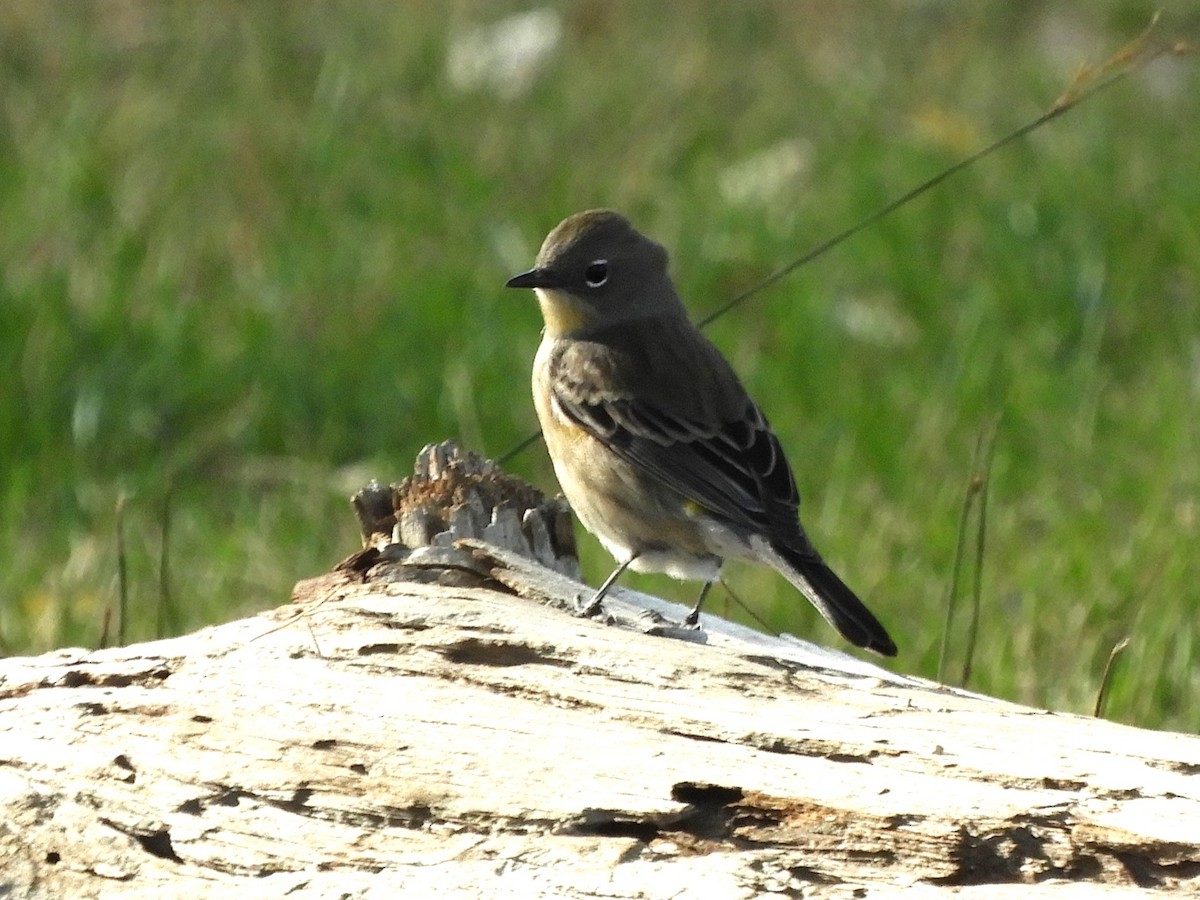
<point x="472" y="737"/>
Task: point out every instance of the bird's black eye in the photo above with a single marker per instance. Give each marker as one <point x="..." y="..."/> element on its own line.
<point x="597" y="273"/>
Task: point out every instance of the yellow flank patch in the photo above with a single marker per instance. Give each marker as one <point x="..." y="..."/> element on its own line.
<point x="692" y="509"/>
<point x="567" y="431"/>
<point x="563" y="314"/>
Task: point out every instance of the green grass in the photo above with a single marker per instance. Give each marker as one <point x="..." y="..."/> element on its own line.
<point x="252" y="254"/>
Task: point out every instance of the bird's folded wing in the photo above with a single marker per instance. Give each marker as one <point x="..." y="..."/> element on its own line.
<point x="735" y="469"/>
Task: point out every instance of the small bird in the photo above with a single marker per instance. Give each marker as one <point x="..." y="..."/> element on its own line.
<point x="656" y="444"/>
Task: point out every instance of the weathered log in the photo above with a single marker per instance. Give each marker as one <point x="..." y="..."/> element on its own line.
<point x="471" y="736"/>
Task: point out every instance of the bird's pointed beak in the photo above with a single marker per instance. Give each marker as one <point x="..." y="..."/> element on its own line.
<point x="534" y="278"/>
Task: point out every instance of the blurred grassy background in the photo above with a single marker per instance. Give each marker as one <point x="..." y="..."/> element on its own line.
<point x="252" y="254"/>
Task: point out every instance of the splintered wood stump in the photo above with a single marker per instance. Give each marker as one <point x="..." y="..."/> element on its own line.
<point x="436" y="721"/>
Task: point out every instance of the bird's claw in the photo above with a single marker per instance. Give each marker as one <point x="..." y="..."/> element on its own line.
<point x="594" y="607"/>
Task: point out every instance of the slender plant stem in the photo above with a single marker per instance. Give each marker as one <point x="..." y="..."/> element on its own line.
<point x="122" y="574"/>
<point x="988" y="439"/>
<point x="166" y="610"/>
<point x="960" y="550"/>
<point x="1106" y="679"/>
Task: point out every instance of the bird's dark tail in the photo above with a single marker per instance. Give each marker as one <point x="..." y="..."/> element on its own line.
<point x="837" y="603"/>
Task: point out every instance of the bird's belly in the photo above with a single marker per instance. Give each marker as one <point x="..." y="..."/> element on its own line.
<point x="631" y="515"/>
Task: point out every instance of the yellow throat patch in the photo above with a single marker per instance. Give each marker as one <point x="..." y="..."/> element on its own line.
<point x="562" y="313"/>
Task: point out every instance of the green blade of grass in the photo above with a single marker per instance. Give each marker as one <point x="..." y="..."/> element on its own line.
<point x="988" y="439"/>
<point x="122" y="574"/>
<point x="1109" y="671"/>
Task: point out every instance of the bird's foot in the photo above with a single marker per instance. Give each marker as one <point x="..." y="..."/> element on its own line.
<point x="693" y="618"/>
<point x="594" y="607"/>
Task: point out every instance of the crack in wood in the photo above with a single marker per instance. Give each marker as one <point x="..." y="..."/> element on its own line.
<point x="1173" y="765"/>
<point x="473" y="651"/>
<point x="1017" y="854"/>
<point x="372" y="649"/>
<point x="808" y="747"/>
<point x="155" y="841"/>
<point x="1149" y="873"/>
<point x="1027" y="850"/>
<point x="720" y="818"/>
<point x="75" y="678"/>
<point x="299" y="802"/>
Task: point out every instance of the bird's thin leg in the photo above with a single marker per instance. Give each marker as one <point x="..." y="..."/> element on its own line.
<point x="693" y="618"/>
<point x="593" y="606"/>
